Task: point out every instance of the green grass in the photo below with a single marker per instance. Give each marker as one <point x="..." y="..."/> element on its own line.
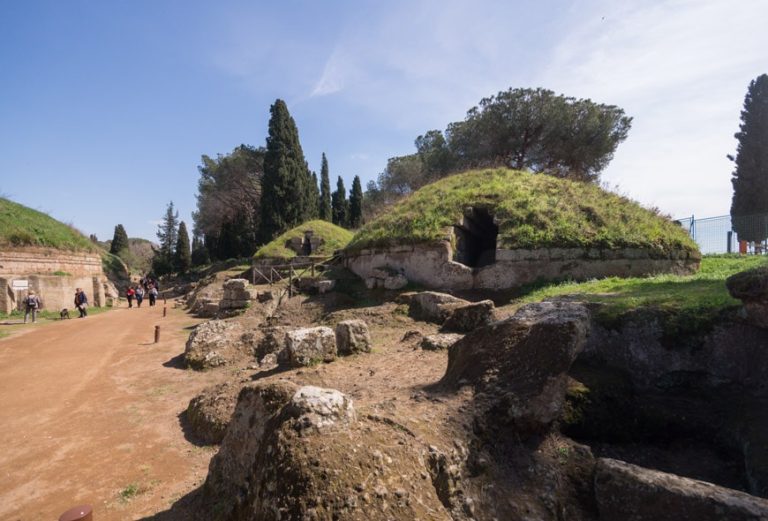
<point x="689" y="301"/>
<point x="533" y="211"/>
<point x="129" y="492"/>
<point x="22" y="226"/>
<point x="335" y="238"/>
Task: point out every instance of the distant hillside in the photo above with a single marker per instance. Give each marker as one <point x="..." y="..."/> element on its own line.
<point x="334" y="236"/>
<point x="22" y="226"/>
<point x="139" y="254"/>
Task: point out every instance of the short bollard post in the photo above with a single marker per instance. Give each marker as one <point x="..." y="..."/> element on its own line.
<point x="165" y="311"/>
<point x="78" y="513"/>
<point x="157" y="334"/>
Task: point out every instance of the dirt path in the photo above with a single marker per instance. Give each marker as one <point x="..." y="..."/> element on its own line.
<point x="89" y="414"/>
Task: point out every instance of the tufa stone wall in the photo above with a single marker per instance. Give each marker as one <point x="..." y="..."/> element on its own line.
<point x="38" y="265"/>
<point x="39" y="261"/>
<point x="432" y="265"/>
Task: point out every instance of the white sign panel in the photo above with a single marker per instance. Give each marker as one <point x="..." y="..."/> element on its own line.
<point x="20" y="284"/>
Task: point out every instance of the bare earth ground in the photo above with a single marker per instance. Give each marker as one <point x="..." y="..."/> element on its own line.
<point x="89" y="409"/>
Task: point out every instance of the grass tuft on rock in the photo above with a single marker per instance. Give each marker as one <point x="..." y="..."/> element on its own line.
<point x="334" y="236"/>
<point x="532" y="211"/>
<point x="21" y="226"/>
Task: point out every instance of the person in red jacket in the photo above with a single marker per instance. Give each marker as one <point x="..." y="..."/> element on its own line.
<point x="129" y="294"/>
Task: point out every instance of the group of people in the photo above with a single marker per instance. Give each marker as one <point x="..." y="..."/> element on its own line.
<point x="33" y="304"/>
<point x="148" y="287"/>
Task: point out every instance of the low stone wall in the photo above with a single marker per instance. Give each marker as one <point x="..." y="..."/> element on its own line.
<point x="38" y="265"/>
<point x="432" y="266"/>
<point x="55" y="292"/>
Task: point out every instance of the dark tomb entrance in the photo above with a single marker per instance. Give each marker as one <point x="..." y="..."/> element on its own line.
<point x="476" y="238"/>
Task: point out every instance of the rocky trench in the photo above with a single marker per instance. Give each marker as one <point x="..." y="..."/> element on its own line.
<point x="692" y="405"/>
<point x="624" y="393"/>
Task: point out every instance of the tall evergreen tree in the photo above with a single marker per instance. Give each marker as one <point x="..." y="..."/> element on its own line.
<point x="325" y="192"/>
<point x="356" y="204"/>
<point x="314" y="198"/>
<point x="749" y="206"/>
<point x="119" y="240"/>
<point x="283" y="203"/>
<point x="340" y="205"/>
<point x="167" y="234"/>
<point x="182" y="257"/>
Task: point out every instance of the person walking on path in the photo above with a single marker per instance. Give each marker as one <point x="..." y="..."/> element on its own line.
<point x="139" y="295"/>
<point x="31" y="305"/>
<point x="81" y="302"/>
<point x="129" y="294"/>
<point x="152" y="295"/>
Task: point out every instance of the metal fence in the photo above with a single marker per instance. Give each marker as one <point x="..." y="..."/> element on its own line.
<point x="721" y="234"/>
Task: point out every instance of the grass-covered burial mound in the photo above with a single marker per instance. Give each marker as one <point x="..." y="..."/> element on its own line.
<point x="502" y="228"/>
<point x="314" y="238"/>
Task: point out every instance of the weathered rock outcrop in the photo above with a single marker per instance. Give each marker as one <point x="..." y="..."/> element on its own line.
<point x="727" y="353"/>
<point x="219" y="342"/>
<point x="432" y="306"/>
<point x="518" y="366"/>
<point x="469" y="317"/>
<point x="209" y="412"/>
<point x="439" y="342"/>
<point x="301" y="453"/>
<point x="237" y="295"/>
<point x="352" y="336"/>
<point x="628" y="492"/>
<point x="751" y="287"/>
<point x="310" y="346"/>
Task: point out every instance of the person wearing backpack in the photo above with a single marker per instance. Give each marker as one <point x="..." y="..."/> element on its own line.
<point x="81" y="302"/>
<point x="31" y="305"/>
<point x="152" y="294"/>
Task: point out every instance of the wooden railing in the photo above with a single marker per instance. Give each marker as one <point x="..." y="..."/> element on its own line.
<point x="287" y="273"/>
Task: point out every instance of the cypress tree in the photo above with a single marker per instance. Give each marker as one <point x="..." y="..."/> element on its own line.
<point x="314" y="198"/>
<point x="167" y="233"/>
<point x="340" y="205"/>
<point x="283" y="200"/>
<point x="749" y="206"/>
<point x="119" y="240"/>
<point x="356" y="204"/>
<point x="325" y="192"/>
<point x="182" y="258"/>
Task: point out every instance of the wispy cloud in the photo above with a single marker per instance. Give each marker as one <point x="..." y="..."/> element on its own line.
<point x="332" y="79"/>
<point x="681" y="68"/>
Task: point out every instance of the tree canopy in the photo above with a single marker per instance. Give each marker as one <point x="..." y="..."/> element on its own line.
<point x="119" y="240"/>
<point x="228" y="202"/>
<point x="285" y="200"/>
<point x="749" y="206"/>
<point x="525" y="129"/>
<point x="167" y="234"/>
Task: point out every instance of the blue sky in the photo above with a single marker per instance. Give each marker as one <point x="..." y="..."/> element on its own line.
<point x="106" y="107"/>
